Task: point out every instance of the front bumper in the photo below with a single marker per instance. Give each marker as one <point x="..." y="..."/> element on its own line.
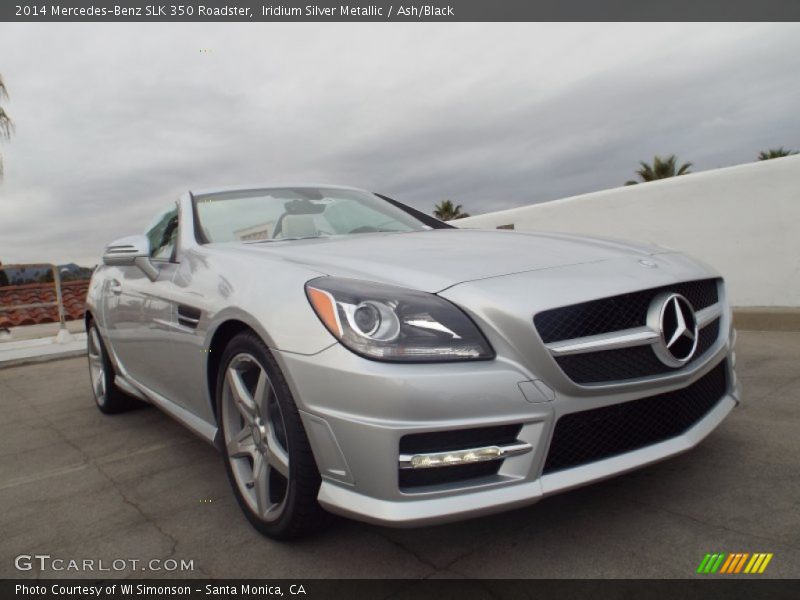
<point x="356" y="412"/>
<point x="427" y="511"/>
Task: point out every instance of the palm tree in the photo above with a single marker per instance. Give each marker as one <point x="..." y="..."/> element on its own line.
<point x="775" y="153"/>
<point x="447" y="211"/>
<point x="660" y="169"/>
<point x="6" y="126"/>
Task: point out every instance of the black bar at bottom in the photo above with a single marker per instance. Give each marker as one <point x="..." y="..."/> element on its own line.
<point x="730" y="588"/>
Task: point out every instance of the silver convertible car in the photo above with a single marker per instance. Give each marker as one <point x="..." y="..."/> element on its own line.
<point x="348" y="354"/>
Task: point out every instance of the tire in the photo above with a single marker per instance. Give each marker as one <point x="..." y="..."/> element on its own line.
<point x="107" y="396"/>
<point x="265" y="447"/>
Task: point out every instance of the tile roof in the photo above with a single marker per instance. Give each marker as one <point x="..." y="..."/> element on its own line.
<point x="73" y="296"/>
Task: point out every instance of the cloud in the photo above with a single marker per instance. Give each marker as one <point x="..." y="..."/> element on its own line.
<point x="114" y="120"/>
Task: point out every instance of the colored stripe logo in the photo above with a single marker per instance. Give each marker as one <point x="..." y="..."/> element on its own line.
<point x="734" y="563"/>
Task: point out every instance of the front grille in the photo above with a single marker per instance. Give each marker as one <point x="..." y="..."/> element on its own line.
<point x="457" y="439"/>
<point x="618" y="312"/>
<point x="591" y="435"/>
<point x="628" y="363"/>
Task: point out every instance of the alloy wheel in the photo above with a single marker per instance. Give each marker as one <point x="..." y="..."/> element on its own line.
<point x="97" y="369"/>
<point x="254" y="432"/>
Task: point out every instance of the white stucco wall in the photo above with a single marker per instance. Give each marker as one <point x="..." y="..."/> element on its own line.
<point x="743" y="220"/>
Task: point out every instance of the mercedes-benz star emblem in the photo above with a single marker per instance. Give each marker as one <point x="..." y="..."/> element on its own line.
<point x="672" y="316"/>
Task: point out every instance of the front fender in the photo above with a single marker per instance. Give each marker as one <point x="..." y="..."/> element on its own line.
<point x="266" y="295"/>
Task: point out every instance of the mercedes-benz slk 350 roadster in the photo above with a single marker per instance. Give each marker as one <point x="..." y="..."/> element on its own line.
<point x="349" y="354"/>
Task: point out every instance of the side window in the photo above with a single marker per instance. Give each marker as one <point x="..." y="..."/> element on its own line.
<point x="163" y="234"/>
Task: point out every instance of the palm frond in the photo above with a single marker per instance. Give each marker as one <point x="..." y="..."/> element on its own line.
<point x="447" y="211"/>
<point x="6" y="125"/>
<point x="775" y="153"/>
<point x="661" y="168"/>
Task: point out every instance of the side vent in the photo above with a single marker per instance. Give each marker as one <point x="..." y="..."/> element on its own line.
<point x="188" y="316"/>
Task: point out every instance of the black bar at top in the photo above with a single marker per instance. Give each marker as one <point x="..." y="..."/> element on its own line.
<point x="392" y="10"/>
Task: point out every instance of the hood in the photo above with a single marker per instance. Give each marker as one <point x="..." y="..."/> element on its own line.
<point x="440" y="258"/>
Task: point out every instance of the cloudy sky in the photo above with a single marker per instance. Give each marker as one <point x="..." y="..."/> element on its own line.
<point x="114" y="120"/>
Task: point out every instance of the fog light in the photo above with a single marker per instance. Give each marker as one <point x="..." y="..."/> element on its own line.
<point x="463" y="457"/>
<point x="424" y="461"/>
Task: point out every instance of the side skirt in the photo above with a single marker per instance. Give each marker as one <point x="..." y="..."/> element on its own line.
<point x="206" y="431"/>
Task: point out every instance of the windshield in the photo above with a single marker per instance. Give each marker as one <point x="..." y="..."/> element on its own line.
<point x="294" y="213"/>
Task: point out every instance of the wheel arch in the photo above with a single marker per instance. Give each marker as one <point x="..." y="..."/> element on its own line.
<point x="222" y="335"/>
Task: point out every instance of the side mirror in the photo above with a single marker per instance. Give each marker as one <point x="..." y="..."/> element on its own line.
<point x="133" y="250"/>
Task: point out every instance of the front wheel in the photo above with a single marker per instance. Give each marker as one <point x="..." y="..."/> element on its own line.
<point x="267" y="455"/>
<point x="108" y="397"/>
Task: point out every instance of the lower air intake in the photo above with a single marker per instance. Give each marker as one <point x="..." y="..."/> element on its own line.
<point x="591" y="435"/>
<point x="458" y="439"/>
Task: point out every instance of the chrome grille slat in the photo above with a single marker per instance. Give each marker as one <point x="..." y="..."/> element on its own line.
<point x="638" y="336"/>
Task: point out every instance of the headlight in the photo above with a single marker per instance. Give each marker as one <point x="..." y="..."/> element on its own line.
<point x="395" y="324"/>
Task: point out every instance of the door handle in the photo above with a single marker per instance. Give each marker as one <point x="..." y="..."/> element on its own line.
<point x="115" y="287"/>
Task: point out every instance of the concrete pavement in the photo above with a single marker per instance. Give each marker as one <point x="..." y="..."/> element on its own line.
<point x="76" y="484"/>
<point x="41" y="343"/>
